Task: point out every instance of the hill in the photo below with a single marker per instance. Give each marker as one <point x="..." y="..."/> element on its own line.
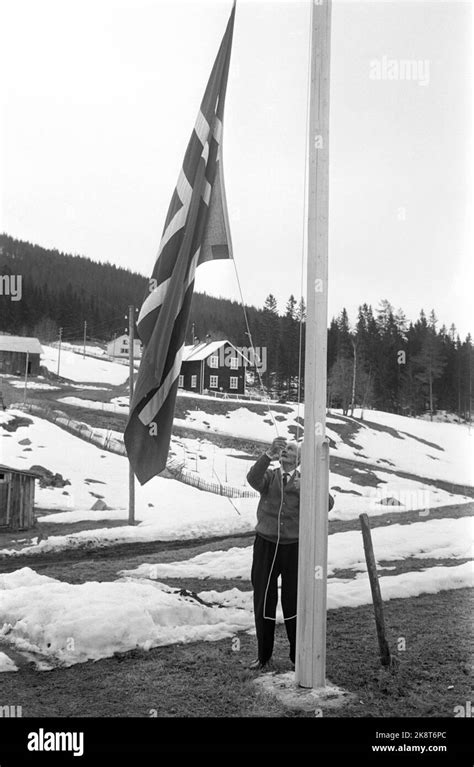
<point x="64" y="290"/>
<point x="382" y="360"/>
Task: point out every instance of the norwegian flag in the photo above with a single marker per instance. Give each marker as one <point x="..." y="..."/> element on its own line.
<point x="196" y="230"/>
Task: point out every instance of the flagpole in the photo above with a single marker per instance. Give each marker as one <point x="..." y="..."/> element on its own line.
<point x="312" y="564"/>
<point x="131" y="474"/>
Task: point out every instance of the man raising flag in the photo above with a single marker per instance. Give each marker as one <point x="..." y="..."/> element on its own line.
<point x="196" y="230"/>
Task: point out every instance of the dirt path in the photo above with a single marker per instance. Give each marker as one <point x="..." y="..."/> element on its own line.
<point x="80" y="565"/>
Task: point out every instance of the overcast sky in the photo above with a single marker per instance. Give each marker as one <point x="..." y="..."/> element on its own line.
<point x="99" y="98"/>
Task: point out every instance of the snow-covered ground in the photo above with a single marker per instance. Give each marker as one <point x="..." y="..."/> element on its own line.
<point x="74" y="367"/>
<point x="433" y="539"/>
<point x="37" y="384"/>
<point x="69" y="623"/>
<point x="72" y="623"/>
<point x="403" y="445"/>
<point x="437" y="450"/>
<point x="167" y="509"/>
<point x="6" y="664"/>
<point x="97" y="351"/>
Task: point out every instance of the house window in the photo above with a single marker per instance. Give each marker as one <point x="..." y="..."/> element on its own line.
<point x="194" y="380"/>
<point x="181" y="382"/>
<point x="214" y="361"/>
<point x="234" y="382"/>
<point x="234" y="363"/>
<point x="213" y="382"/>
<point x="124" y="350"/>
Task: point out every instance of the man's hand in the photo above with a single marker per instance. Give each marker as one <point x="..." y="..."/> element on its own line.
<point x="277" y="446"/>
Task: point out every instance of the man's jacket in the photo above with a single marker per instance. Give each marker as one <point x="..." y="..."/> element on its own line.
<point x="268" y="483"/>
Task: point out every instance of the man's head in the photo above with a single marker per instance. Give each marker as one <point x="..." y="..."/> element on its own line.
<point x="290" y="456"/>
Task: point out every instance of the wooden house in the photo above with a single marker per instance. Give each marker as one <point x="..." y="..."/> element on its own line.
<point x="119" y="347"/>
<point x="213" y="366"/>
<point x="17" y="498"/>
<point x="19" y="354"/>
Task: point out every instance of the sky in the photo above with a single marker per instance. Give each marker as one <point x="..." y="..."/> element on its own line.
<point x="100" y="98"/>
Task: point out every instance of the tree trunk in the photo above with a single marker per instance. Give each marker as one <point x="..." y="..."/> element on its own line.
<point x="354" y="374"/>
<point x="431" y="396"/>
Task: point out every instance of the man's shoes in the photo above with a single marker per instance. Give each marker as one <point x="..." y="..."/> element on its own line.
<point x="258" y="665"/>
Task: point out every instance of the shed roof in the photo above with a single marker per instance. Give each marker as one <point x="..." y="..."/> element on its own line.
<point x="20" y="344"/>
<point x="11" y="470"/>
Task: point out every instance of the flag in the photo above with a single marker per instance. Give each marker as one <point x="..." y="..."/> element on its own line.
<point x="196" y="230"/>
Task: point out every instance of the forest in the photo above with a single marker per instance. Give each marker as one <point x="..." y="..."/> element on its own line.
<point x="378" y="359"/>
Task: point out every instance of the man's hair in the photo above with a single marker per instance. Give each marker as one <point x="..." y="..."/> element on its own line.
<point x="297" y="445"/>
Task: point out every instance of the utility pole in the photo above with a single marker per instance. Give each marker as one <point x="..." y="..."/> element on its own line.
<point x="85" y="331"/>
<point x="131" y="481"/>
<point x="26" y="375"/>
<point x="59" y="348"/>
<point x="313" y="532"/>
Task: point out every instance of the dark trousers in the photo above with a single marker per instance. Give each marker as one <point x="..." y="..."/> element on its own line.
<point x="286" y="565"/>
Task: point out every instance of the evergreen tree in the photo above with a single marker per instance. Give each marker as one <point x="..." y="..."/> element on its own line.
<point x="430" y="362"/>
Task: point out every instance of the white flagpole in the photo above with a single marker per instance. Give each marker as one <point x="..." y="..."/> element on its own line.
<point x="131" y="370"/>
<point x="312" y="566"/>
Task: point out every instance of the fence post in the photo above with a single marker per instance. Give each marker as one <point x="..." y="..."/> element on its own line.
<point x="375" y="588"/>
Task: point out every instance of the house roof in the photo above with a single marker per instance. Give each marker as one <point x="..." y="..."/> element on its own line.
<point x="203" y="350"/>
<point x="11" y="470"/>
<point x="20" y="344"/>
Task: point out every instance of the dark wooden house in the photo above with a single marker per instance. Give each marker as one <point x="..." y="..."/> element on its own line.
<point x="19" y="354"/>
<point x="17" y="498"/>
<point x="213" y="366"/>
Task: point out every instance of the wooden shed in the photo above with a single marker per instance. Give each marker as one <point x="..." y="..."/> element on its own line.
<point x="20" y="355"/>
<point x="17" y="498"/>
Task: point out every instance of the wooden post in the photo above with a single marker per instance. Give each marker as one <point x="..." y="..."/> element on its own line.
<point x="375" y="588"/>
<point x="131" y="475"/>
<point x="313" y="535"/>
<point x="85" y="331"/>
<point x="59" y="348"/>
<point x="26" y="376"/>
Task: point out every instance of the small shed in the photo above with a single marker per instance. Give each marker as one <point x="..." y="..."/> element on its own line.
<point x="17" y="498"/>
<point x="20" y="355"/>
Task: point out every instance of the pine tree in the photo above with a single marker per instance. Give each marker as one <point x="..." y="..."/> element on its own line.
<point x="289" y="347"/>
<point x="430" y="362"/>
<point x="271" y="341"/>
